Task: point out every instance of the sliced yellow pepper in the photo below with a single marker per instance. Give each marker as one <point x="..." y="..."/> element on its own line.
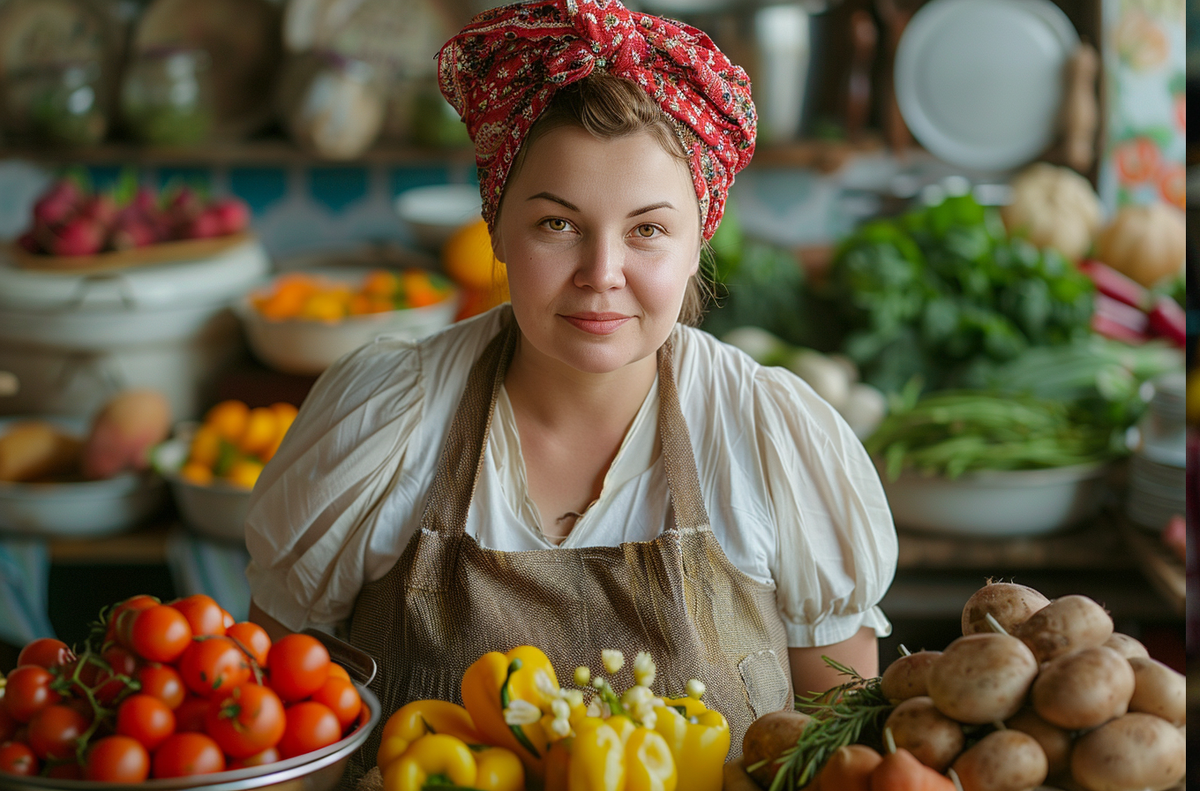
<point x="434" y="758"/>
<point x="597" y="758"/>
<point x="649" y="765"/>
<point x="418" y="718"/>
<point x="699" y="742"/>
<point x="495" y="680"/>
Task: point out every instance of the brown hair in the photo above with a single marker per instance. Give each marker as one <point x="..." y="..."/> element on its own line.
<point x="608" y="107"/>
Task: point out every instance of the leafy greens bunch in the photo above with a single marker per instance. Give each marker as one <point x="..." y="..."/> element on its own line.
<point x="942" y="286"/>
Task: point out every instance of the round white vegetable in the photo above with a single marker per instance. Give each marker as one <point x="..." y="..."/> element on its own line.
<point x="864" y="409"/>
<point x="761" y="345"/>
<point x="823" y="375"/>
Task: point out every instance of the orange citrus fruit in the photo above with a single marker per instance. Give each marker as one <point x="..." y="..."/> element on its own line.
<point x="244" y="473"/>
<point x="468" y="258"/>
<point x="262" y="426"/>
<point x="196" y="473"/>
<point x="229" y="419"/>
<point x="206" y="444"/>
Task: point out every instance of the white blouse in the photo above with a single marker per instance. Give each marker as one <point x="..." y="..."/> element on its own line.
<point x="792" y="495"/>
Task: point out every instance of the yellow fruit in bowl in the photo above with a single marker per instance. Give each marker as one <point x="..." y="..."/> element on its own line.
<point x="244" y="473"/>
<point x="468" y="258"/>
<point x="205" y="447"/>
<point x="196" y="473"/>
<point x="229" y="419"/>
<point x="262" y="426"/>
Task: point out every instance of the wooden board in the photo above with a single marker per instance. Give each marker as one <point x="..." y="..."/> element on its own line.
<point x="162" y="253"/>
<point x="242" y="38"/>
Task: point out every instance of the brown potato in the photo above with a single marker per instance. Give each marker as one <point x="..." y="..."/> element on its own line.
<point x="768" y="738"/>
<point x="1065" y="625"/>
<point x="1126" y="646"/>
<point x="982" y="678"/>
<point x="1085" y="689"/>
<point x="932" y="737"/>
<point x="1002" y="761"/>
<point x="1010" y="604"/>
<point x="1133" y="752"/>
<point x="1159" y="690"/>
<point x="905" y="678"/>
<point x="1055" y="742"/>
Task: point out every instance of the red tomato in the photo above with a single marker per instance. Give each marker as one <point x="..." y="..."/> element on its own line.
<point x="189" y="717"/>
<point x="146" y="719"/>
<point x="342" y="699"/>
<point x="203" y="614"/>
<point x="253" y="638"/>
<point x="18" y="759"/>
<point x="1137" y="160"/>
<point x="186" y="754"/>
<point x="213" y="666"/>
<point x="45" y="651"/>
<point x="246" y="720"/>
<point x="109" y="683"/>
<point x="53" y="731"/>
<point x="310" y="726"/>
<point x="337" y="671"/>
<point x="28" y="691"/>
<point x="117" y="759"/>
<point x="162" y="682"/>
<point x="134" y="604"/>
<point x="268" y="756"/>
<point x="160" y="634"/>
<point x="299" y="665"/>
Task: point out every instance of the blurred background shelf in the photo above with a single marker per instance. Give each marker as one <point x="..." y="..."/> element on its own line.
<point x="823" y="155"/>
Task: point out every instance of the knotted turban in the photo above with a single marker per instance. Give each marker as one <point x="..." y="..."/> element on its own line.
<point x="504" y="68"/>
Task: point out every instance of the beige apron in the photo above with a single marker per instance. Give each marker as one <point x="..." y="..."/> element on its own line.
<point x="447" y="601"/>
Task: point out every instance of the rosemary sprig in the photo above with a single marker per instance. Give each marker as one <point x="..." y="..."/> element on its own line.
<point x="841" y="716"/>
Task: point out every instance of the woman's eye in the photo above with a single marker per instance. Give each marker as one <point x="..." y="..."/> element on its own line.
<point x="647" y="231"/>
<point x="557" y="224"/>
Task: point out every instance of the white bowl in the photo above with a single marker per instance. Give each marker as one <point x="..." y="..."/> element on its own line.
<point x="434" y="213"/>
<point x="77" y="509"/>
<point x="301" y="346"/>
<point x="1000" y="503"/>
<point x="217" y="510"/>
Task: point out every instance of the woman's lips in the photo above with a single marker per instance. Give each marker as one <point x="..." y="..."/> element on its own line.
<point x="598" y="323"/>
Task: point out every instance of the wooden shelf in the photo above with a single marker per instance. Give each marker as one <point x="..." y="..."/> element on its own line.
<point x="823" y="155"/>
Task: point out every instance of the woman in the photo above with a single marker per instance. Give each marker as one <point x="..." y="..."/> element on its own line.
<point x="578" y="470"/>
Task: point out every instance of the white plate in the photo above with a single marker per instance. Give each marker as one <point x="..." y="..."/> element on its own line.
<point x="979" y="82"/>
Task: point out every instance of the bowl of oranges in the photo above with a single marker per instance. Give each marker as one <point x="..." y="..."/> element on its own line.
<point x="303" y="321"/>
<point x="212" y="466"/>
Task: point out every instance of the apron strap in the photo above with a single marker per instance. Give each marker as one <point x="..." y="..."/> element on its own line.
<point x="457" y="475"/>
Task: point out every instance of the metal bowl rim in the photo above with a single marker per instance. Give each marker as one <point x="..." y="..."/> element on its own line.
<point x="233" y="780"/>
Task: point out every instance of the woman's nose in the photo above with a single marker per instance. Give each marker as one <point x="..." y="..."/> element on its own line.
<point x="602" y="266"/>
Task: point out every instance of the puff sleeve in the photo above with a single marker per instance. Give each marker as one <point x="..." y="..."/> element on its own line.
<point x="331" y="511"/>
<point x="836" y="547"/>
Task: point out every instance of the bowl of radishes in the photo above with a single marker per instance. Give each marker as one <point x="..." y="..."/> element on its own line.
<point x="74" y="226"/>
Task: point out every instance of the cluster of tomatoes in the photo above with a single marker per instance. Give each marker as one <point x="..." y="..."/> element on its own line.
<point x="170" y="690"/>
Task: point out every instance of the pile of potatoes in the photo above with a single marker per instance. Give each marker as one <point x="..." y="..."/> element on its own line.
<point x="1072" y="703"/>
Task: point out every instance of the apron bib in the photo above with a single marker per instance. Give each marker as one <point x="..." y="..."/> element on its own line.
<point x="448" y="601"/>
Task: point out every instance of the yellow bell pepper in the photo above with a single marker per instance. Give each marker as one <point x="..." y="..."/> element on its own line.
<point x="597" y="758"/>
<point x="434" y="758"/>
<point x="498" y="769"/>
<point x="441" y="760"/>
<point x="418" y="718"/>
<point x="649" y="765"/>
<point x="698" y="740"/>
<point x="492" y="683"/>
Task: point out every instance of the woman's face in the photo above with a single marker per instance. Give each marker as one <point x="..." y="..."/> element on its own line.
<point x="600" y="238"/>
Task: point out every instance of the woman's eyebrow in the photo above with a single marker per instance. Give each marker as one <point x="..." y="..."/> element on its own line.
<point x="660" y="205"/>
<point x="548" y="196"/>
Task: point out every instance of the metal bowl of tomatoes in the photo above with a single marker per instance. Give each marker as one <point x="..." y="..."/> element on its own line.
<point x="319" y="770"/>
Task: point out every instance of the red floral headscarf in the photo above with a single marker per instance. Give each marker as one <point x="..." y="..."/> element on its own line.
<point x="503" y="69"/>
